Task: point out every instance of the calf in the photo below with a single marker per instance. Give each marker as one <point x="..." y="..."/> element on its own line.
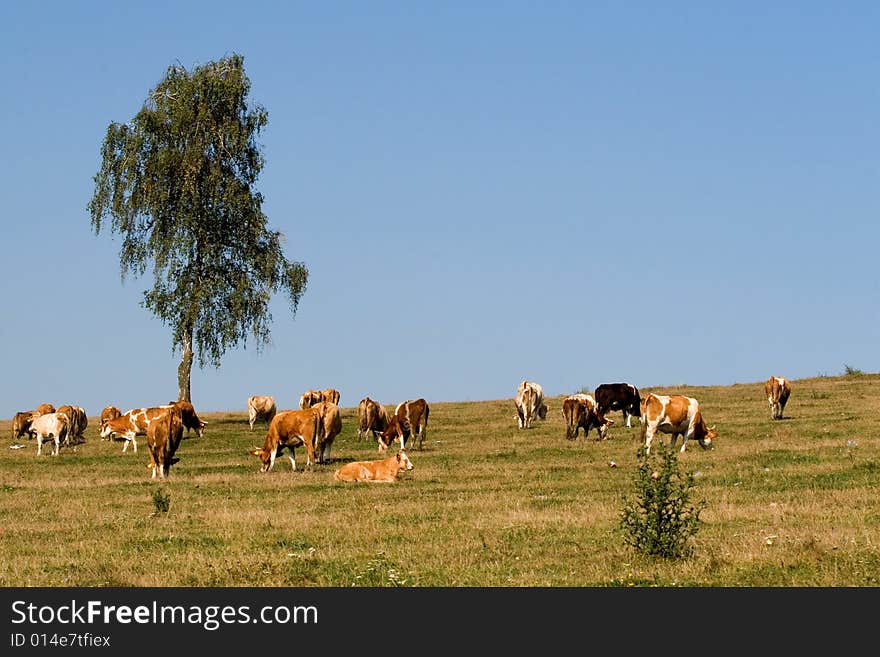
<point x="261" y="407"/>
<point x="618" y="397"/>
<point x="189" y="417"/>
<point x="50" y="426"/>
<point x="529" y="403"/>
<point x="579" y="412"/>
<point x="164" y="434"/>
<point x="677" y="415"/>
<point x="371" y="417"/>
<point x="289" y="429"/>
<point x="381" y="471"/>
<point x="21" y="425"/>
<point x="777" y="390"/>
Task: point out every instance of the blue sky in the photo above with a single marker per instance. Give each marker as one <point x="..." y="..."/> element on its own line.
<point x="569" y="192"/>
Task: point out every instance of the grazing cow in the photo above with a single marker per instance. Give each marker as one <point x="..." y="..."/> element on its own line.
<point x="109" y="413"/>
<point x="777" y="389"/>
<point x="677" y="415"/>
<point x="410" y="419"/>
<point x="290" y="429"/>
<point x="618" y="397"/>
<point x="189" y="417"/>
<point x="261" y="407"/>
<point x="131" y="424"/>
<point x="52" y="427"/>
<point x="42" y="409"/>
<point x="21" y="425"/>
<point x="371" y="416"/>
<point x="529" y="403"/>
<point x="78" y="422"/>
<point x="164" y="434"/>
<point x="381" y="471"/>
<point x="580" y="412"/>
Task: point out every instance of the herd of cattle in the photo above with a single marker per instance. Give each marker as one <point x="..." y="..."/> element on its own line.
<point x="317" y="422"/>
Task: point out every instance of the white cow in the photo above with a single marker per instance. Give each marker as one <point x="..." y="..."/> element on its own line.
<point x="529" y="403"/>
<point x="53" y="427"/>
<point x="261" y="407"/>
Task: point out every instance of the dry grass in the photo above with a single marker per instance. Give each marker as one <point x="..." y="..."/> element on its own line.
<point x="789" y="503"/>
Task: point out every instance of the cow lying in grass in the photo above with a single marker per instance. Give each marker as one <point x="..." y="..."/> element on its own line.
<point x="382" y="471"/>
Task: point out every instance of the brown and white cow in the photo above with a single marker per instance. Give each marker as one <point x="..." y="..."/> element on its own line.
<point x="580" y="412"/>
<point x="777" y="390"/>
<point x="261" y="408"/>
<point x="131" y="424"/>
<point x="50" y="427"/>
<point x="109" y="412"/>
<point x="164" y="434"/>
<point x="677" y="415"/>
<point x="380" y="471"/>
<point x="21" y="425"/>
<point x="529" y="403"/>
<point x="410" y="419"/>
<point x="618" y="397"/>
<point x="78" y="422"/>
<point x="330" y="426"/>
<point x="44" y="408"/>
<point x="371" y="417"/>
<point x="311" y="397"/>
<point x="290" y="429"/>
<point x="190" y="418"/>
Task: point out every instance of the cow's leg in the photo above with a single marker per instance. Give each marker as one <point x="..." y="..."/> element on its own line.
<point x="57" y="445"/>
<point x="39" y="445"/>
<point x="649" y="437"/>
<point x="628" y="419"/>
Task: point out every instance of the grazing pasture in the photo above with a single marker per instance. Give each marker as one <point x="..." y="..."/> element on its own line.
<point x="791" y="502"/>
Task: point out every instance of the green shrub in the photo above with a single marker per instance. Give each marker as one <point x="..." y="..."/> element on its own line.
<point x="161" y="501"/>
<point x="660" y="519"/>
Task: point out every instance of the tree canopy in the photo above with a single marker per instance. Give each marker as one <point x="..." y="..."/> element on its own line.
<point x="177" y="184"/>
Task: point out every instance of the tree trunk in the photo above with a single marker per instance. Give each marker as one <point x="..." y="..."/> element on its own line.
<point x="185" y="367"/>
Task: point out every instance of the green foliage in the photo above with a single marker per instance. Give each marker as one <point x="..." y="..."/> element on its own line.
<point x="660" y="520"/>
<point x="161" y="501"/>
<point x="852" y="371"/>
<point x="176" y="182"/>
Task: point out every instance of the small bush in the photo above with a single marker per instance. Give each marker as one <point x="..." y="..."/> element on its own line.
<point x="660" y="520"/>
<point x="161" y="501"/>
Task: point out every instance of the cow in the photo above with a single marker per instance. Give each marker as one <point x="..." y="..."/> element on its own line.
<point x="330" y="395"/>
<point x="44" y="408"/>
<point x="777" y="389"/>
<point x="309" y="398"/>
<point x="290" y="429"/>
<point x="580" y="412"/>
<point x="164" y="434"/>
<point x="261" y="407"/>
<point x="78" y="422"/>
<point x="21" y="425"/>
<point x="410" y="418"/>
<point x="189" y="417"/>
<point x="381" y="471"/>
<point x="109" y="412"/>
<point x="677" y="415"/>
<point x="529" y="403"/>
<point x="371" y="417"/>
<point x="131" y="424"/>
<point x="329" y="426"/>
<point x="52" y="427"/>
<point x="618" y="397"/>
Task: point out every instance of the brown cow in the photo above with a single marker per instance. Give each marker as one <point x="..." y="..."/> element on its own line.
<point x="330" y="426"/>
<point x="78" y="422"/>
<point x="777" y="390"/>
<point x="371" y="416"/>
<point x="529" y="403"/>
<point x="189" y="417"/>
<point x="311" y="397"/>
<point x="109" y="413"/>
<point x="44" y="408"/>
<point x="21" y="425"/>
<point x="164" y="434"/>
<point x="677" y="415"/>
<point x="290" y="429"/>
<point x="580" y="412"/>
<point x="410" y="419"/>
<point x="381" y="471"/>
<point x="261" y="407"/>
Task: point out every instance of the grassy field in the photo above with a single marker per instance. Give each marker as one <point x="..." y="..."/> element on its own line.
<point x="788" y="503"/>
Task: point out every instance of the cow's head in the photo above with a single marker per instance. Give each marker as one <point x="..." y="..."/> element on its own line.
<point x="603" y="427"/>
<point x="706" y="441"/>
<point x="403" y="460"/>
<point x="542" y="411"/>
<point x="105" y="428"/>
<point x="265" y="457"/>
